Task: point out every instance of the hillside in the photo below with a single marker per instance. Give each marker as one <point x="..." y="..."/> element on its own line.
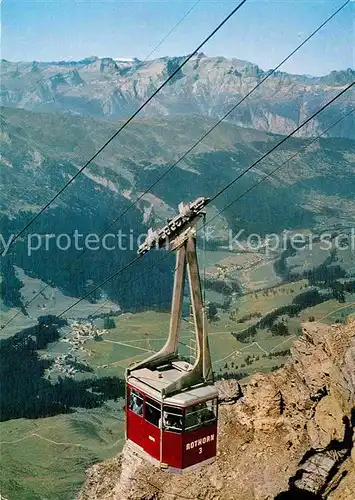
<point x="289" y="434"/>
<point x="54" y="435"/>
<point x="207" y="86"/>
<point x="43" y="149"/>
<point x="40" y="151"/>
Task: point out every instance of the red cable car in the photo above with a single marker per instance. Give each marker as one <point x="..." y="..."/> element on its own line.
<point x="172" y="405"/>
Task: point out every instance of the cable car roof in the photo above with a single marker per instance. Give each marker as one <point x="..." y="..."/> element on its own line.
<point x="152" y="382"/>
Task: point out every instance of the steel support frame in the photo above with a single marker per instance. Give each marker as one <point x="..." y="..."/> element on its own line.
<point x="201" y="371"/>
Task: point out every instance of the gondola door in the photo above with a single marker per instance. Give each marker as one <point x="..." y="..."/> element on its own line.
<point x="152" y="422"/>
<point x="135" y="424"/>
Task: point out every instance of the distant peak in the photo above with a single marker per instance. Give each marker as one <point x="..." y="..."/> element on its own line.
<point x="124" y="59"/>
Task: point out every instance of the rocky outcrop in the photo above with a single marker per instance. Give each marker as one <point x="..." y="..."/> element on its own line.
<point x="288" y="434"/>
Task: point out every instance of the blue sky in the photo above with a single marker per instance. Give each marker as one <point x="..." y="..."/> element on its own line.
<point x="262" y="31"/>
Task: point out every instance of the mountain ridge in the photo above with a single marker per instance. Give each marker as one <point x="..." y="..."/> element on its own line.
<point x="150" y="146"/>
<point x="207" y="86"/>
<point x="133" y="60"/>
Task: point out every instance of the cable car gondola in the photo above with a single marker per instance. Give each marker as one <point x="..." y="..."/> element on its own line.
<point x="172" y="405"/>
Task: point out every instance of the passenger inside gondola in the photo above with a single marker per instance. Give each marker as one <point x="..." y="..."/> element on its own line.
<point x="136" y="403"/>
<point x="173" y="422"/>
<point x="173" y="419"/>
<point x="201" y="414"/>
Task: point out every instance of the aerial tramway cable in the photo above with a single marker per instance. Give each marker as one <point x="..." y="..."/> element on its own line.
<point x="154" y="49"/>
<point x="327" y="20"/>
<point x="272" y="172"/>
<point x="159" y="44"/>
<point x="263" y="179"/>
<point x="210" y="130"/>
<point x="246" y="192"/>
<point x="237" y="199"/>
<point x="131" y="206"/>
<point x="291" y="134"/>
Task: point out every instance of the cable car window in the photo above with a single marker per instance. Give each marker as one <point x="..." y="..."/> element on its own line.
<point x="152" y="411"/>
<point x="173" y="419"/>
<point x="201" y="414"/>
<point x="136" y="402"/>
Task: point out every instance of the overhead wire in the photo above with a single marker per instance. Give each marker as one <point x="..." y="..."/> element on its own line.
<point x="155" y="48"/>
<point x="122" y="127"/>
<point x="279" y="166"/>
<point x="241" y="196"/>
<point x="260" y="159"/>
<point x="213" y="198"/>
<point x="272" y="172"/>
<point x="158" y="45"/>
<point x="174" y="28"/>
<point x="210" y="130"/>
<point x="268" y="75"/>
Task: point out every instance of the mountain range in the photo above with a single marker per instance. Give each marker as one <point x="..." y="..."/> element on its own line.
<point x="207" y="86"/>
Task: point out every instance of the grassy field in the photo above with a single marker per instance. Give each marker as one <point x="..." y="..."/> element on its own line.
<point x="51" y="301"/>
<point x="135" y="336"/>
<point x="46" y="459"/>
<point x="308" y="258"/>
<point x="229" y="354"/>
<point x="330" y="311"/>
<point x="254" y="270"/>
<point x="262" y="276"/>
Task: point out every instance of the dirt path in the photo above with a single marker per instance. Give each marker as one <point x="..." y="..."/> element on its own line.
<point x="38" y="436"/>
<point x="336" y="310"/>
<point x="34" y="434"/>
<point x="127" y="345"/>
<point x="238" y="352"/>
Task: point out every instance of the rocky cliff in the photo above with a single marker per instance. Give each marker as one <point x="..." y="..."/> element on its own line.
<point x="288" y="434"/>
<point x="207" y="86"/>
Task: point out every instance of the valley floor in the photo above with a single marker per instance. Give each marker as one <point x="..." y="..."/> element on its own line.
<point x="47" y="457"/>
